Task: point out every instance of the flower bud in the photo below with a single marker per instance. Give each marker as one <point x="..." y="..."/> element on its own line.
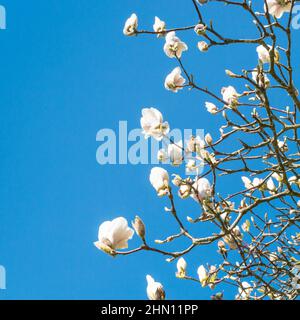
<point x="177" y="180"/>
<point x="184" y="191"/>
<point x="106" y="246"/>
<point x="211" y="108"/>
<point x="270" y="185"/>
<point x="202" y="46"/>
<point x="246" y="226"/>
<point x="208" y="139"/>
<point x="212" y="277"/>
<point x="189" y="219"/>
<point x="229" y="73"/>
<point x="202" y="274"/>
<point x="155" y="290"/>
<point x="181" y="268"/>
<point x="221" y="245"/>
<point x="139" y="227"/>
<point x="200" y="29"/>
<point x="243" y="203"/>
<point x="222" y="248"/>
<point x="159" y="178"/>
<point x="217" y="296"/>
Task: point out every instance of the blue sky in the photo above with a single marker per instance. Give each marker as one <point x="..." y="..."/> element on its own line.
<point x="66" y="72"/>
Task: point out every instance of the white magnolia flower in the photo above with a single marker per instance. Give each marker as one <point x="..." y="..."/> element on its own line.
<point x="159" y="178"/>
<point x="260" y="78"/>
<point x="264" y="54"/>
<point x="153" y="125"/>
<point x="174" y="81"/>
<point x="159" y="26"/>
<point x="203" y="189"/>
<point x="174" y="46"/>
<point x="175" y="153"/>
<point x="230" y="95"/>
<point x="245" y="290"/>
<point x="202" y="275"/>
<point x="278" y="7"/>
<point x="130" y="26"/>
<point x="181" y="268"/>
<point x="114" y="235"/>
<point x="155" y="290"/>
<point x="211" y="107"/>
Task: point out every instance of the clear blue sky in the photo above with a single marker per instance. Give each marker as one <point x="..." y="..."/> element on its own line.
<point x="66" y="72"/>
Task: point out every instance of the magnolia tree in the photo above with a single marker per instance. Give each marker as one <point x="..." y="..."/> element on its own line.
<point x="255" y="228"/>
